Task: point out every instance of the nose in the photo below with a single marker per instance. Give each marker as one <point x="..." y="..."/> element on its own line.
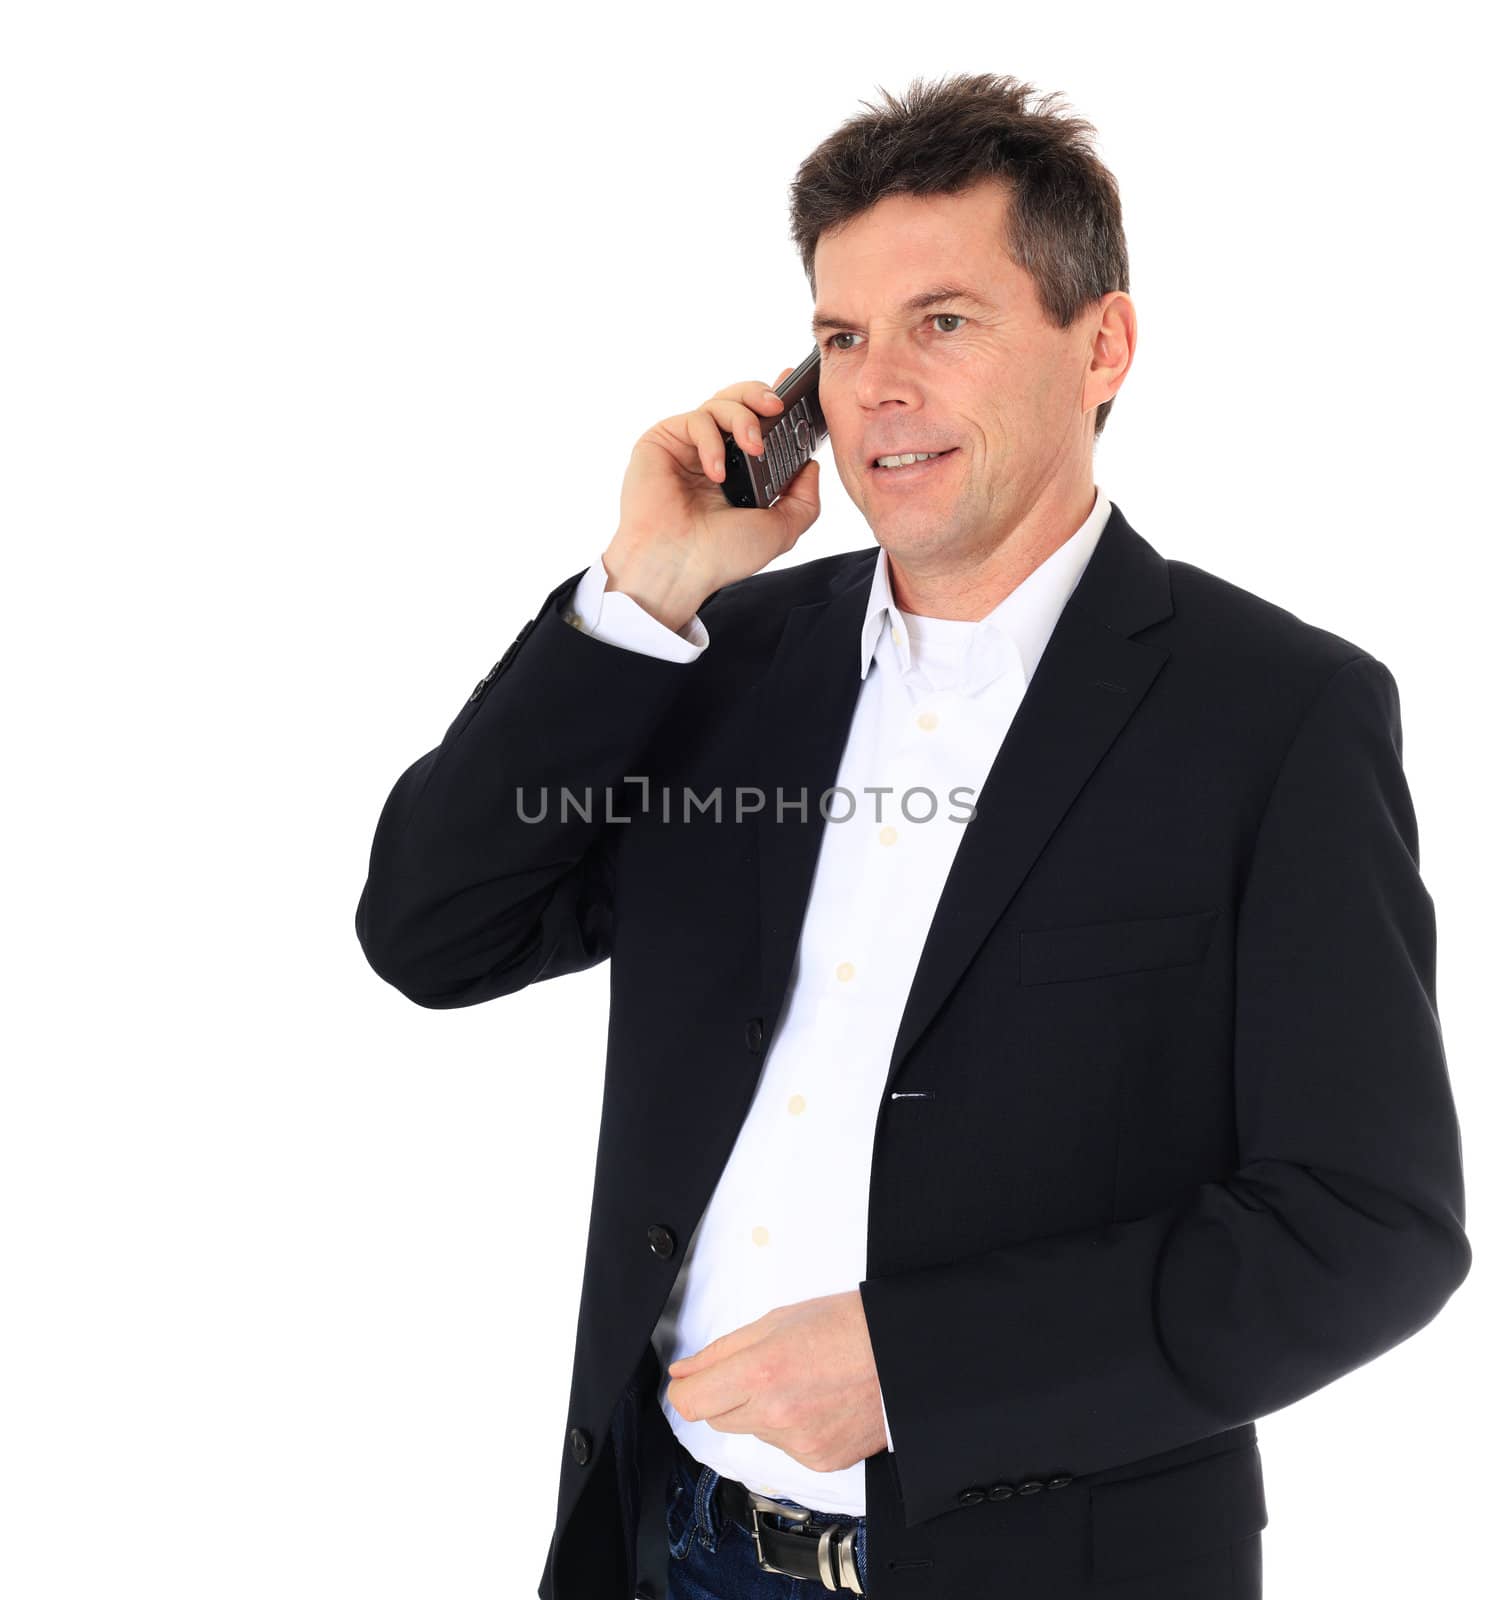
<point x="885" y="377"/>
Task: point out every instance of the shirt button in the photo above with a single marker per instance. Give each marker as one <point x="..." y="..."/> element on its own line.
<point x="896" y="636"/>
<point x="928" y="720"/>
<point x="796" y="1104"/>
<point x="845" y="972"/>
<point x="888" y="835"/>
<point x="760" y="1235"/>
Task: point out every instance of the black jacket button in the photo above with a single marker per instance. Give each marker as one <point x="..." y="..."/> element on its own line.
<point x="971" y="1497"/>
<point x="662" y="1240"/>
<point x="500" y="665"/>
<point x="582" y="1446"/>
<point x="1061" y="1481"/>
<point x="753" y="1033"/>
<point x="491" y="675"/>
<point x="1030" y="1486"/>
<point x="1002" y="1491"/>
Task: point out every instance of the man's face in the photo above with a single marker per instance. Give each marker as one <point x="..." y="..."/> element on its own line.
<point x="996" y="384"/>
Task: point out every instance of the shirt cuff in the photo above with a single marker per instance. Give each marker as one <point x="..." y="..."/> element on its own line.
<point x="617" y="618"/>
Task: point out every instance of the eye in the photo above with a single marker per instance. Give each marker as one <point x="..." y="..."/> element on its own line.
<point x="953" y="316"/>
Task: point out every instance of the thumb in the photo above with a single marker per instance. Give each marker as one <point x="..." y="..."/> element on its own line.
<point x="799" y="504"/>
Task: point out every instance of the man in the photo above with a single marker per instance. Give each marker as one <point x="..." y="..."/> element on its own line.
<point x="975" y="1170"/>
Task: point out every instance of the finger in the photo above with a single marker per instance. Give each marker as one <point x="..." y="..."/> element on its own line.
<point x="741" y="421"/>
<point x="753" y="392"/>
<point x="799" y="504"/>
<point x="704" y="434"/>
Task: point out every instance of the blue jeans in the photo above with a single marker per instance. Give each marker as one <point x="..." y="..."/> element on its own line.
<point x="712" y="1558"/>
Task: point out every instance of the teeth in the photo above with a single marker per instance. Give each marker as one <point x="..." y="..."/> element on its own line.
<point x="899" y="461"/>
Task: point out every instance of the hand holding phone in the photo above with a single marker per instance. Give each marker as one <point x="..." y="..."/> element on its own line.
<point x="681" y="536"/>
<point x="790" y="439"/>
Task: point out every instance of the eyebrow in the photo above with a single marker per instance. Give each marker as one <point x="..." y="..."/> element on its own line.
<point x="936" y="296"/>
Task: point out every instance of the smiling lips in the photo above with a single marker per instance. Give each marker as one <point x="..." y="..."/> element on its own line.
<point x="916" y="450"/>
<point x="911" y="472"/>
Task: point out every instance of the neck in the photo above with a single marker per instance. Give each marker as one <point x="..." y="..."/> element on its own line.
<point x="959" y="589"/>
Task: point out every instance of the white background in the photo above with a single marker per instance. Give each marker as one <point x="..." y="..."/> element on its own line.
<point x="328" y="330"/>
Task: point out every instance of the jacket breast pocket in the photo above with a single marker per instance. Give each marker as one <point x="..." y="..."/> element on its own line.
<point x="1141" y="1524"/>
<point x="1100" y="949"/>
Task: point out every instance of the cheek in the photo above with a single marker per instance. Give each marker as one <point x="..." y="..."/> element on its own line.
<point x="1020" y="418"/>
<point x="1059" y="380"/>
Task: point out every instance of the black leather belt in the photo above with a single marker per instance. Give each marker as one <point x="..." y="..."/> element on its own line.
<point x="812" y="1546"/>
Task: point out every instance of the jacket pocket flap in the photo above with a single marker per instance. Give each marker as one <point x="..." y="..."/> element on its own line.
<point x="1096" y="949"/>
<point x="1166" y="1517"/>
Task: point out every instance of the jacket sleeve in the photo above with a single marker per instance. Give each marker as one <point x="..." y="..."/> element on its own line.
<point x="481" y="878"/>
<point x="1339" y="1234"/>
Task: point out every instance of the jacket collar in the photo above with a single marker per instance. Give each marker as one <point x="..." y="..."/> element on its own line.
<point x="1091" y="678"/>
<point x="1026" y="616"/>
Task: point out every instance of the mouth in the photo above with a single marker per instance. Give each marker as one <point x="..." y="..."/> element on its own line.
<point x="915" y="471"/>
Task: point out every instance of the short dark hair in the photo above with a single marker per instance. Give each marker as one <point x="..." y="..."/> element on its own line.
<point x="1064" y="224"/>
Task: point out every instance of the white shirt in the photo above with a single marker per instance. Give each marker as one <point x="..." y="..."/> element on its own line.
<point x="930" y="717"/>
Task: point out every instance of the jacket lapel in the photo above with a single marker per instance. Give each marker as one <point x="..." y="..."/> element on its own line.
<point x="805" y="706"/>
<point x="1091" y="677"/>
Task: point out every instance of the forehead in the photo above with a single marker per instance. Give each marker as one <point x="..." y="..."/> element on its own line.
<point x="909" y="240"/>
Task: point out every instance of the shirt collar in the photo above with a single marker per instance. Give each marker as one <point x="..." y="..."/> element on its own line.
<point x="1026" y="616"/>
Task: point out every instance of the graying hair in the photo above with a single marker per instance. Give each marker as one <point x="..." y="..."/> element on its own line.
<point x="1064" y="224"/>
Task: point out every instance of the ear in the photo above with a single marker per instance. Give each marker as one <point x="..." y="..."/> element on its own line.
<point x="1111" y="349"/>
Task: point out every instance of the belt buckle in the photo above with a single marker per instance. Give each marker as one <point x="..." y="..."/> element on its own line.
<point x="839" y="1534"/>
<point x="760" y="1502"/>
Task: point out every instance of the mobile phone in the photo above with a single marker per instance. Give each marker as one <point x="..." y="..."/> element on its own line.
<point x="789" y="440"/>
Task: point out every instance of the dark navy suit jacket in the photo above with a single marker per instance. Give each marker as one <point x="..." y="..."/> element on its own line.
<point x="1187" y="1151"/>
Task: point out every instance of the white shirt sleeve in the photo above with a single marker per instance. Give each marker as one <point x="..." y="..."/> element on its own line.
<point x="618" y="619"/>
<point x="884" y="1423"/>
